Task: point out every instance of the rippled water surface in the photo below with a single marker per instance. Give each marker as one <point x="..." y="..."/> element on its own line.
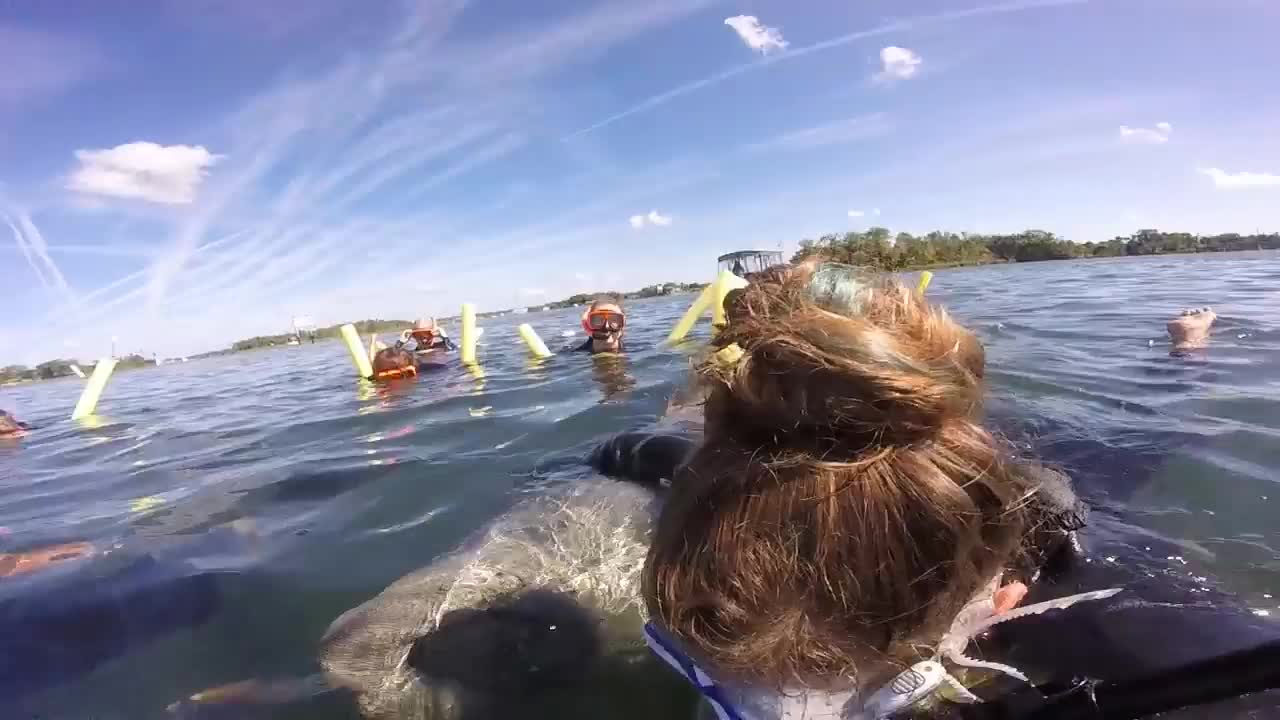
<point x="303" y="493"/>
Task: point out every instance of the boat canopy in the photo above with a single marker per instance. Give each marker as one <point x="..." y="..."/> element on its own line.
<point x="747" y="262"/>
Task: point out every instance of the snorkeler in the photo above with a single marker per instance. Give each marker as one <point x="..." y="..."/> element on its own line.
<point x="605" y="324"/>
<point x="11" y="426"/>
<point x="847" y="526"/>
<point x="1190" y="330"/>
<point x="426" y="335"/>
<point x="420" y="348"/>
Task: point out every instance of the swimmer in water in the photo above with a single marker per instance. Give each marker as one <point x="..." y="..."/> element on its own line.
<point x="418" y="349"/>
<point x="847" y="517"/>
<point x="1190" y="330"/>
<point x="426" y="335"/>
<point x="392" y="359"/>
<point x="605" y="324"/>
<point x="11" y="427"/>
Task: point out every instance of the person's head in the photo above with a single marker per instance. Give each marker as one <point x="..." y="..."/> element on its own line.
<point x="392" y="358"/>
<point x="10" y="425"/>
<point x="605" y="322"/>
<point x="846" y="502"/>
<point x="424" y="331"/>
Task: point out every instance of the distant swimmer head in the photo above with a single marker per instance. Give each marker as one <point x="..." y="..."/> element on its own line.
<point x="10" y="426"/>
<point x="846" y="502"/>
<point x="606" y="323"/>
<point x="425" y="331"/>
<point x="392" y="359"/>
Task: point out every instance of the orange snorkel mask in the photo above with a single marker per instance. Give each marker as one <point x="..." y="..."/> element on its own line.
<point x="603" y="321"/>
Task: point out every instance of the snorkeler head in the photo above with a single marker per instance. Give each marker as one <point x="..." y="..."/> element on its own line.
<point x="605" y="322"/>
<point x="846" y="503"/>
<point x="392" y="358"/>
<point x="9" y="426"/>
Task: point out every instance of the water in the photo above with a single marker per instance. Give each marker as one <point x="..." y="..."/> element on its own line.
<point x="306" y="494"/>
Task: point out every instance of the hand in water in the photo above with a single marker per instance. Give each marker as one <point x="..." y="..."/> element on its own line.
<point x="1191" y="329"/>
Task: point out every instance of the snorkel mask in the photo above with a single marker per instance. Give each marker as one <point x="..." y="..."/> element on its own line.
<point x="915" y="684"/>
<point x="603" y="323"/>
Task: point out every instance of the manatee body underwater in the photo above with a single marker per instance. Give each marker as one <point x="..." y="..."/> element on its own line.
<point x="539" y="617"/>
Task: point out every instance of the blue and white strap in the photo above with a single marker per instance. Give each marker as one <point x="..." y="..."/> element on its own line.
<point x="667" y="650"/>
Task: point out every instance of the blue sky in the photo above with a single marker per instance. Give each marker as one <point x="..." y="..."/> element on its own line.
<point x="183" y="173"/>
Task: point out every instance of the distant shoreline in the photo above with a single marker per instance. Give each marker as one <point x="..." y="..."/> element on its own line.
<point x="872" y="249"/>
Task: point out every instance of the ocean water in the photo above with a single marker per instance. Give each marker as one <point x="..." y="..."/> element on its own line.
<point x="302" y="493"/>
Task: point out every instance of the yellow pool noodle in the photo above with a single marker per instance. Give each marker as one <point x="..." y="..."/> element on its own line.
<point x="531" y="339"/>
<point x="79" y="373"/>
<point x="723" y="284"/>
<point x="468" y="354"/>
<point x="691" y="315"/>
<point x="359" y="356"/>
<point x="373" y="346"/>
<point x="925" y="277"/>
<point x="93" y="389"/>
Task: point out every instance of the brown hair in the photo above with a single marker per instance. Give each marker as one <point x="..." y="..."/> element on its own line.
<point x="846" y="502"/>
<point x="392" y="358"/>
<point x="605" y="299"/>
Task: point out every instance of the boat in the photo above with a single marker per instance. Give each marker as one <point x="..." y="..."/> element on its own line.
<point x="744" y="263"/>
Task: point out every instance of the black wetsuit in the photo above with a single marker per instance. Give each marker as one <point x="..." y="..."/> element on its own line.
<point x="586" y="348"/>
<point x="1163" y="618"/>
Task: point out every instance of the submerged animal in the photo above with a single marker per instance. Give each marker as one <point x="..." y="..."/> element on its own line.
<point x="538" y="616"/>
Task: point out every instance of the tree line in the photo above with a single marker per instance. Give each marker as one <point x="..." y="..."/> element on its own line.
<point x="878" y="248"/>
<point x="649" y="291"/>
<point x="61" y="367"/>
<point x="263" y="341"/>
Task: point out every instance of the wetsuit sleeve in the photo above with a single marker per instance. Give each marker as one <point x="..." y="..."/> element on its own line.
<point x="584" y="347"/>
<point x="646" y="458"/>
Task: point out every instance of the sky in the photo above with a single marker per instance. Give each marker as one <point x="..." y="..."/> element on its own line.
<point x="179" y="174"/>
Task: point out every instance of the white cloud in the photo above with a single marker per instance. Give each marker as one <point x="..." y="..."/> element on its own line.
<point x="657" y="218"/>
<point x="757" y="37"/>
<point x="898" y="63"/>
<point x="1157" y="135"/>
<point x="1233" y="181"/>
<point x="654" y="218"/>
<point x="856" y="213"/>
<point x="143" y="171"/>
<point x="875" y="211"/>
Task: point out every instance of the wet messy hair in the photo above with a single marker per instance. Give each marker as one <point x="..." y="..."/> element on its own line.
<point x="846" y="501"/>
<point x="605" y="299"/>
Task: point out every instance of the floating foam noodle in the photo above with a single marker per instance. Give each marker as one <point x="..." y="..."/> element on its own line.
<point x="536" y="347"/>
<point x="373" y="346"/>
<point x="691" y="315"/>
<point x="93" y="389"/>
<point x="76" y="369"/>
<point x="355" y="346"/>
<point x="723" y="285"/>
<point x="925" y="277"/>
<point x="468" y="353"/>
